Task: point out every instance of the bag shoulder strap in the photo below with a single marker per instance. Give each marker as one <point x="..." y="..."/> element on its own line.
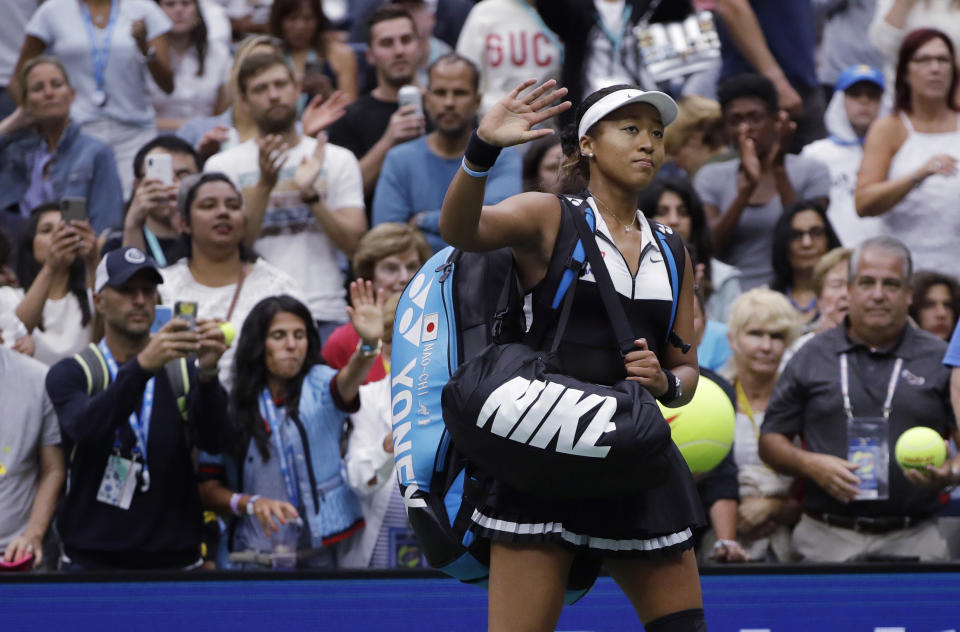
<point x="94" y="368"/>
<point x="618" y="318"/>
<point x="675" y="259"/>
<point x="179" y="376"/>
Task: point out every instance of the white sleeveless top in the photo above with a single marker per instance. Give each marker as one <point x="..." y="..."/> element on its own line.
<point x="927" y="220"/>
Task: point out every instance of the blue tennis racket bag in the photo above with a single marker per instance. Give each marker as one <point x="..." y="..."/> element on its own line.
<point x="457" y="305"/>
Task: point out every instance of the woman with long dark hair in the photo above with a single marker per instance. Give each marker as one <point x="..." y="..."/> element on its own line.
<point x="908" y="176"/>
<point x="289" y="413"/>
<point x="936" y="303"/>
<point x="200" y="69"/>
<point x="322" y="62"/>
<point x="55" y="264"/>
<point x="645" y="540"/>
<point x="673" y="202"/>
<point x="220" y="274"/>
<point x="801" y="236"/>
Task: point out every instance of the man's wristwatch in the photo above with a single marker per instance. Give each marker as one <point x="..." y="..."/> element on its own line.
<point x="311" y="198"/>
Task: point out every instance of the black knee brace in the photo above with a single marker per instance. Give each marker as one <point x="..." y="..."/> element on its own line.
<point x="683" y="621"/>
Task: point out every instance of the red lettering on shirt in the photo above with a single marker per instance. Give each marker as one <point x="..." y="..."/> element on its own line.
<point x="494" y="50"/>
<point x="547" y="60"/>
<point x="522" y="38"/>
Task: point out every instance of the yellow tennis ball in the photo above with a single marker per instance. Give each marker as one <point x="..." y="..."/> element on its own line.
<point x="919" y="447"/>
<point x="703" y="428"/>
<point x="229" y="332"/>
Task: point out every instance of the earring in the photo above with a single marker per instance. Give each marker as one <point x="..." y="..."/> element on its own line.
<point x="588" y="156"/>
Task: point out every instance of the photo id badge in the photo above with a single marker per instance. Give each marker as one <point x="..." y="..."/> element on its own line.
<point x="119" y="482"/>
<point x="405" y="549"/>
<point x="867" y="447"/>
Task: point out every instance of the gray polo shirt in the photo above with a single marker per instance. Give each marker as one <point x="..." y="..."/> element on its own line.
<point x="27" y="423"/>
<point x="807" y="401"/>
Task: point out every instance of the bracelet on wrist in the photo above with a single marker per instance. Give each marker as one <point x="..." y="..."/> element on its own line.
<point x="235" y="503"/>
<point x="251" y="501"/>
<point x="369" y="351"/>
<point x="311" y="198"/>
<point x="470" y="172"/>
<point x="724" y="544"/>
<point x="481" y="153"/>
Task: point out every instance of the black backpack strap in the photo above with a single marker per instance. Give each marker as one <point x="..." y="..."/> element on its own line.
<point x="618" y="318"/>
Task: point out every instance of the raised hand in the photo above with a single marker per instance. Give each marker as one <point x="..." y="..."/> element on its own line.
<point x="366" y="312"/>
<point x="172" y="342"/>
<point x="511" y="120"/>
<point x="750" y="166"/>
<point x="64" y="243"/>
<point x="272" y="155"/>
<point x="321" y="112"/>
<point x="310" y="168"/>
<point x="212" y="343"/>
<point x="786" y="128"/>
<point x="212" y="141"/>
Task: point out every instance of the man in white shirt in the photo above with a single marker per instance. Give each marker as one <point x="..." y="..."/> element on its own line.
<point x="853" y="108"/>
<point x="509" y="43"/>
<point x="303" y="196"/>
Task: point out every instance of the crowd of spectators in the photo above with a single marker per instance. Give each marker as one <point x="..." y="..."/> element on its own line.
<point x="208" y="209"/>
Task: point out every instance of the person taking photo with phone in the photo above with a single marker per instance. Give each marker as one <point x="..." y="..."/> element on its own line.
<point x="132" y="500"/>
<point x="45" y="157"/>
<point x="55" y="260"/>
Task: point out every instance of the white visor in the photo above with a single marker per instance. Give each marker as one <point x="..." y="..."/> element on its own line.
<point x="616" y="100"/>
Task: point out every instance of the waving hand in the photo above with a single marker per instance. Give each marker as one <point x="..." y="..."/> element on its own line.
<point x="511" y="120"/>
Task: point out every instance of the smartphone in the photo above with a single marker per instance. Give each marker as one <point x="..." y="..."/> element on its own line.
<point x="161" y="316"/>
<point x="24" y="564"/>
<point x="187" y="310"/>
<point x="159" y="167"/>
<point x="411" y="95"/>
<point x="73" y="209"/>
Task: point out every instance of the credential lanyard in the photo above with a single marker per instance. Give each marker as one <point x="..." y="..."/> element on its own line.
<point x="100" y="53"/>
<point x="269" y="412"/>
<point x="139" y="424"/>
<point x="616" y="39"/>
<point x="891" y="387"/>
<point x="154" y="245"/>
<point x="745" y="406"/>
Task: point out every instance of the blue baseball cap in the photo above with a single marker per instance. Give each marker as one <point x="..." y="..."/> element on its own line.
<point x="861" y="72"/>
<point x="117" y="266"/>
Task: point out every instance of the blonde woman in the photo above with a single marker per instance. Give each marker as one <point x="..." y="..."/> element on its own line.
<point x="762" y="325"/>
<point x="697" y="136"/>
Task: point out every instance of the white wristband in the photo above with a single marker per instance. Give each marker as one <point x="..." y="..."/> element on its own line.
<point x="250" y="503"/>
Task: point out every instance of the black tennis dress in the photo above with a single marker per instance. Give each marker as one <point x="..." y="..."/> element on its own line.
<point x="657" y="522"/>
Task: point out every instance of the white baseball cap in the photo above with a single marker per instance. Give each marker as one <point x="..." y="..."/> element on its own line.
<point x="665" y="105"/>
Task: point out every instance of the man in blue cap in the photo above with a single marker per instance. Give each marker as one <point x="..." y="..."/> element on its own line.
<point x="853" y="108"/>
<point x="131" y="409"/>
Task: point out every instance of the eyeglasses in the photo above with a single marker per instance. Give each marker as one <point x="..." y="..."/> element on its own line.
<point x="815" y="232"/>
<point x="928" y="60"/>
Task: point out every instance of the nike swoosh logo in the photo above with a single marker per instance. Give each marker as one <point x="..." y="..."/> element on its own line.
<point x="670" y="419"/>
